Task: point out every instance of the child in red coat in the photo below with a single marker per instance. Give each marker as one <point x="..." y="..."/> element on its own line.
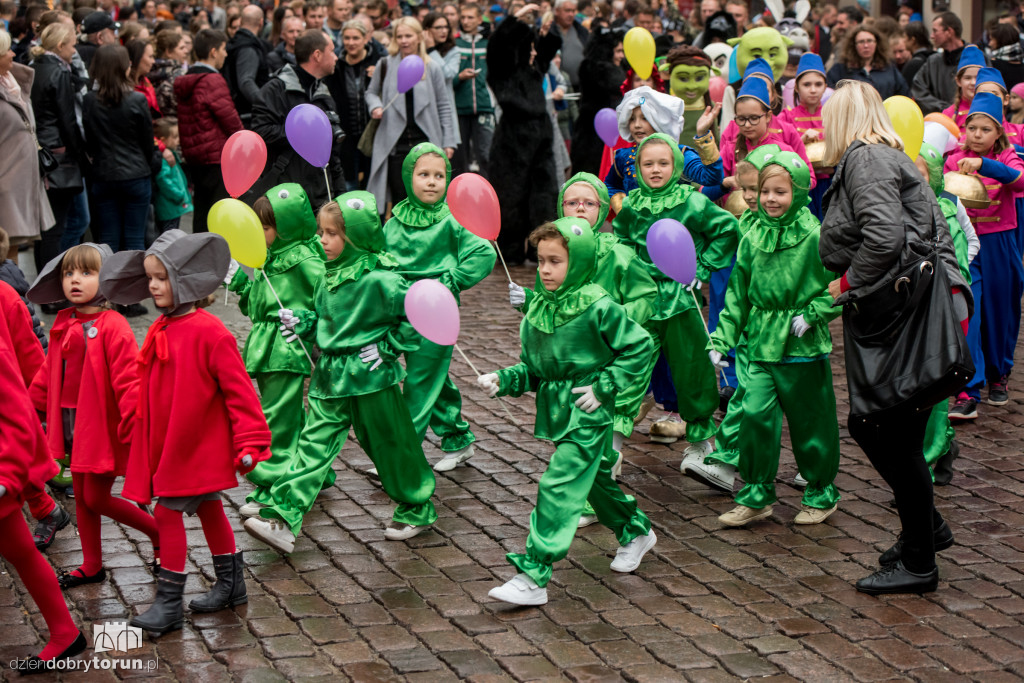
<point x="88" y="387"/>
<point x="24" y="462"/>
<point x="199" y="419"/>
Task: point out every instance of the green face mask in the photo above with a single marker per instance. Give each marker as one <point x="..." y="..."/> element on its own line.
<point x="766" y="43"/>
<point x="599" y="187"/>
<point x="294" y="217"/>
<point x="934" y="160"/>
<point x="689" y="83"/>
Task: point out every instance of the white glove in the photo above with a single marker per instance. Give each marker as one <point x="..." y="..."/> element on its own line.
<point x="247" y="461"/>
<point x="370" y="354"/>
<point x="232" y="269"/>
<point x="716" y="359"/>
<point x="587" y="402"/>
<point x="3" y="490"/>
<point x="694" y="285"/>
<point x="516" y="294"/>
<point x="799" y="326"/>
<point x="288" y="334"/>
<point x="288" y="319"/>
<point x="489" y="383"/>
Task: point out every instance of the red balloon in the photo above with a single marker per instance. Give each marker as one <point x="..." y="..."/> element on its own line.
<point x="716" y="88"/>
<point x="242" y="161"/>
<point x="474" y="204"/>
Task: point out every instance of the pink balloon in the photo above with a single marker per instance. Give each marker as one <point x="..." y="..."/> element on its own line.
<point x="242" y="161"/>
<point x="432" y="311"/>
<point x="410" y="71"/>
<point x="474" y="204"/>
<point x="606" y="124"/>
<point x="716" y="88"/>
<point x="787" y="94"/>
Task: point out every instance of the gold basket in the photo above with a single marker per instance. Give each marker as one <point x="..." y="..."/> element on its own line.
<point x="969" y="189"/>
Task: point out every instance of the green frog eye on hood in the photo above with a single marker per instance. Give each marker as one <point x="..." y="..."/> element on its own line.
<point x="599" y="187"/>
<point x="363" y="231"/>
<point x="293" y="215"/>
<point x="800" y="176"/>
<point x="677" y="164"/>
<point x="934" y="161"/>
<point x="576" y="293"/>
<point x="762" y="155"/>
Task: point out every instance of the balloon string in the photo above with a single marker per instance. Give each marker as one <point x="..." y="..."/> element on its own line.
<point x="330" y="195"/>
<point x="700" y="312"/>
<point x="281" y="305"/>
<point x="390" y="102"/>
<point x="505" y="265"/>
<point x="473" y="368"/>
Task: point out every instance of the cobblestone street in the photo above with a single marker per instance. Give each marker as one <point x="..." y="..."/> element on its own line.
<point x="773" y="602"/>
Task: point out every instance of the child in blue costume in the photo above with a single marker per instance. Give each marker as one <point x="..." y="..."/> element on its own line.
<point x="428" y="242"/>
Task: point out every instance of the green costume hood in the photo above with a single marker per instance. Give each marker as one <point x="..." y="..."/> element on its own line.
<point x="934" y="161"/>
<point x="669" y="194"/>
<point x="548" y="310"/>
<point x="296" y="226"/>
<point x="793" y="226"/>
<point x="411" y="211"/>
<point x="762" y="155"/>
<point x="599" y="187"/>
<point x="364" y="240"/>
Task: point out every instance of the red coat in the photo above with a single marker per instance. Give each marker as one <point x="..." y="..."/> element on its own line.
<point x="107" y="396"/>
<point x="197" y="410"/>
<point x="28" y="351"/>
<point x="206" y="115"/>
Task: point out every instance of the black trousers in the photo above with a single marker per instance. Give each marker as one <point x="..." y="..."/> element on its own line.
<point x="894" y="445"/>
<point x="208" y="189"/>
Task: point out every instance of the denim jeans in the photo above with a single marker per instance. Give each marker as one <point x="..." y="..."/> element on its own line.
<point x="122" y="209"/>
<point x="77" y="221"/>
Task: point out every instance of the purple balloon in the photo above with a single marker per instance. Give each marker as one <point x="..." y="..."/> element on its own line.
<point x="410" y="71"/>
<point x="309" y="133"/>
<point x="671" y="248"/>
<point x="828" y="93"/>
<point x="606" y="123"/>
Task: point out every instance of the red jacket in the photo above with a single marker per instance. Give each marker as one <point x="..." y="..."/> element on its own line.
<point x="206" y="114"/>
<point x="107" y="396"/>
<point x="197" y="410"/>
<point x="28" y="352"/>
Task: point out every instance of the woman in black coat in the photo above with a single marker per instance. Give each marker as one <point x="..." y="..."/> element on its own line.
<point x="53" y="100"/>
<point x="348" y="85"/>
<point x="601" y="76"/>
<point x="880" y="216"/>
<point x="866" y="58"/>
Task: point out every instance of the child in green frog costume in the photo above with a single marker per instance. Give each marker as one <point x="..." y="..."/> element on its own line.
<point x="428" y="242"/>
<point x="778" y="295"/>
<point x="294" y="267"/>
<point x="676" y="325"/>
<point x="579" y="350"/>
<point x="358" y="323"/>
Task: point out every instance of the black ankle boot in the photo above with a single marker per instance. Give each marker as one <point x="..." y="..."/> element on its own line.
<point x="943" y="539"/>
<point x="943" y="471"/>
<point x="166" y="614"/>
<point x="229" y="590"/>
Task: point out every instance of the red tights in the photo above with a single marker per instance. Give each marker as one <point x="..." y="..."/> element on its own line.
<point x="92" y="501"/>
<point x="216" y="528"/>
<point x="18" y="548"/>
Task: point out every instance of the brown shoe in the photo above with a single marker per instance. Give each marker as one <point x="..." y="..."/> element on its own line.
<point x="809" y="515"/>
<point x="742" y="515"/>
<point x="645" y="408"/>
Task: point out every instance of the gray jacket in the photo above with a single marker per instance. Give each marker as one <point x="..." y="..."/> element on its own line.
<point x="879" y="216"/>
<point x="934" y="85"/>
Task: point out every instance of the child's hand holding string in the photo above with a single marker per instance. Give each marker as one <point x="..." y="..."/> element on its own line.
<point x="489" y="383"/>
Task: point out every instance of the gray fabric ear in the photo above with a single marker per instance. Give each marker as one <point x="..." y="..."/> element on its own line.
<point x="196" y="264"/>
<point x="123" y="278"/>
<point x="48" y="287"/>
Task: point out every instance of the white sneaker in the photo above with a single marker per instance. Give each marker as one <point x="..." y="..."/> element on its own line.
<point x="251" y="509"/>
<point x="695" y="453"/>
<point x="627" y="557"/>
<point x="715" y="475"/>
<point x="617" y="468"/>
<point x="372" y="474"/>
<point x="273" y="532"/>
<point x="520" y="590"/>
<point x="452" y="460"/>
<point x="799" y="481"/>
<point x="617" y="442"/>
<point x="668" y="429"/>
<point x="396" y="531"/>
<point x="586" y="520"/>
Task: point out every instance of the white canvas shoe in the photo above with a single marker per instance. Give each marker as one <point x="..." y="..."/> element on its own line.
<point x="628" y="557"/>
<point x="251" y="509"/>
<point x="617" y="468"/>
<point x="396" y="531"/>
<point x="452" y="460"/>
<point x="520" y="590"/>
<point x="715" y="475"/>
<point x="273" y="532"/>
<point x="799" y="481"/>
<point x="586" y="520"/>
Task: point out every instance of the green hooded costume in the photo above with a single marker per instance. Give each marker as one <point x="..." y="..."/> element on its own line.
<point x="428" y="242"/>
<point x="359" y="302"/>
<point x="573" y="337"/>
<point x="778" y="275"/>
<point x="677" y="326"/>
<point x="294" y="267"/>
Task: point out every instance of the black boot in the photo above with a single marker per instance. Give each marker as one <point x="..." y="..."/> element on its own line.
<point x="943" y="471"/>
<point x="229" y="590"/>
<point x="166" y="614"/>
<point x="943" y="539"/>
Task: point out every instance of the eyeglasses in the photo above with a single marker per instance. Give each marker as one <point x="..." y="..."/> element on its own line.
<point x="866" y="41"/>
<point x="748" y="120"/>
<point x="573" y="204"/>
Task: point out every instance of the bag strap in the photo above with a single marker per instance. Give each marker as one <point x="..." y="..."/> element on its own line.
<point x="24" y="119"/>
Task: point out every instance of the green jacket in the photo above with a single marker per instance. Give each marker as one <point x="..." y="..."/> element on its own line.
<point x="171" y="199"/>
<point x="947" y="202"/>
<point x="294" y="267"/>
<point x="473" y="96"/>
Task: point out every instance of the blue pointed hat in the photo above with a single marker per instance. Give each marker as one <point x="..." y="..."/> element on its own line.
<point x="971" y="56"/>
<point x="759" y="66"/>
<point x="988" y="104"/>
<point x="810" y="63"/>
<point x="757" y="89"/>
<point x="989" y="75"/>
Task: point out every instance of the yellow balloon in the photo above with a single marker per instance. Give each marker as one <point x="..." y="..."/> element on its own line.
<point x="639" y="48"/>
<point x="908" y="121"/>
<point x="237" y="223"/>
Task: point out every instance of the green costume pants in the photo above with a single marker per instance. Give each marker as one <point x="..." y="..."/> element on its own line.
<point x="727" y="444"/>
<point x="281" y="399"/>
<point x="938" y="434"/>
<point x="627" y="401"/>
<point x="433" y="398"/>
<point x="577" y="473"/>
<point x="384" y="430"/>
<point x="683" y="338"/>
<point x="803" y="391"/>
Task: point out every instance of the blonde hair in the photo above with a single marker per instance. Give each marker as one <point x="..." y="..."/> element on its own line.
<point x="855" y="113"/>
<point x="52" y="37"/>
<point x="414" y="26"/>
<point x="771" y="171"/>
<point x="331" y="216"/>
<point x="5" y="42"/>
<point x="5" y="245"/>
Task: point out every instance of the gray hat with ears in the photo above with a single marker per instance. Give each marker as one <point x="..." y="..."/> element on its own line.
<point x="196" y="266"/>
<point x="49" y="285"/>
